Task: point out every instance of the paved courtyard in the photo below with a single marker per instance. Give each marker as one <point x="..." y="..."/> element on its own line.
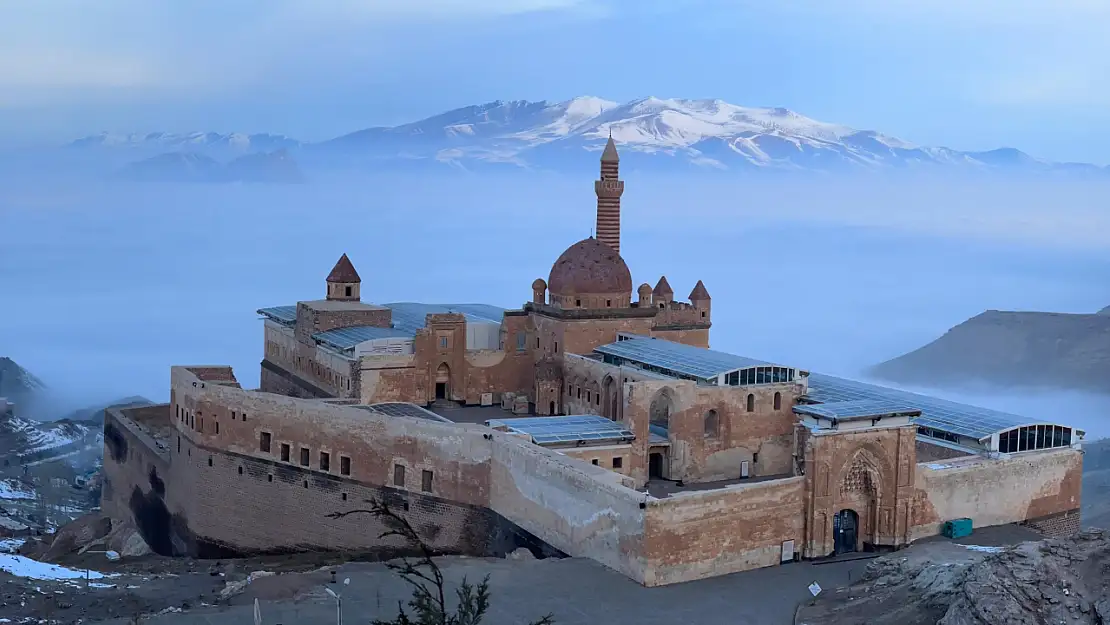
<point x="576" y="591"/>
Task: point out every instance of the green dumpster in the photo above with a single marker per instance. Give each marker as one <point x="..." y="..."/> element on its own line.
<point x="956" y="528"/>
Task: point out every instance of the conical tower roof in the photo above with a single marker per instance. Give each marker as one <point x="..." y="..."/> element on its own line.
<point x="610" y="154"/>
<point x="699" y="293"/>
<point x="344" y="271"/>
<point x="663" y="287"/>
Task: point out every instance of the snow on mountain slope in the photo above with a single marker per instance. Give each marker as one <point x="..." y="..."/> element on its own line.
<point x="21" y="437"/>
<point x="706" y="132"/>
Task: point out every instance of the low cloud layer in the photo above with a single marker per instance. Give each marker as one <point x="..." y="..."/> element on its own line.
<point x="109" y="285"/>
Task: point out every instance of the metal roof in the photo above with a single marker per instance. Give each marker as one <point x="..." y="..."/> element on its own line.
<point x="568" y="429"/>
<point x="347" y="338"/>
<point x="683" y="359"/>
<point x="856" y="409"/>
<point x="940" y="414"/>
<point x="403" y="409"/>
<point x="411" y="316"/>
<point x="281" y="314"/>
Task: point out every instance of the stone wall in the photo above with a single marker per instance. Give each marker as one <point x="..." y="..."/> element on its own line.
<point x="928" y="452"/>
<point x="604" y="456"/>
<point x="578" y="508"/>
<point x="136" y="468"/>
<point x="763" y="437"/>
<point x="702" y="534"/>
<point x="1028" y="486"/>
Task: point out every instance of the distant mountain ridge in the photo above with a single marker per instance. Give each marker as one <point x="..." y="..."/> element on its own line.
<point x="1004" y="348"/>
<point x="707" y="134"/>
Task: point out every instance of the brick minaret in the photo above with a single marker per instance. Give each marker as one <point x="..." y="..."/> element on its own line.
<point x="609" y="190"/>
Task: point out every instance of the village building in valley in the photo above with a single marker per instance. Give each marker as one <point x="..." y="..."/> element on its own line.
<point x="592" y="421"/>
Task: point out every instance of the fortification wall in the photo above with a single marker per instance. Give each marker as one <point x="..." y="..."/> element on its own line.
<point x="1023" y="487"/>
<point x="573" y="506"/>
<point x="701" y="534"/>
<point x="243" y="459"/>
<point x="135" y="471"/>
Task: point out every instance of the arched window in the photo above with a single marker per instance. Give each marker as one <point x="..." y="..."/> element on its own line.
<point x="660" y="409"/>
<point x="751" y="402"/>
<point x="712" y="424"/>
<point x="778" y="401"/>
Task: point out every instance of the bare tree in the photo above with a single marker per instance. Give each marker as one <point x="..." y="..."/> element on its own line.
<point x="429" y="597"/>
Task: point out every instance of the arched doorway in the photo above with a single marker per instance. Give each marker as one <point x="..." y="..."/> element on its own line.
<point x="552" y="410"/>
<point x="845" y="531"/>
<point x="443" y="379"/>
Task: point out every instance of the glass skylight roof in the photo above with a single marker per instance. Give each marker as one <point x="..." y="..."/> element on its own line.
<point x="568" y="429"/>
<point x="281" y="314"/>
<point x="941" y="414"/>
<point x="411" y="316"/>
<point x="688" y="360"/>
<point x="346" y="338"/>
<point x="856" y="409"/>
<point x="402" y="409"/>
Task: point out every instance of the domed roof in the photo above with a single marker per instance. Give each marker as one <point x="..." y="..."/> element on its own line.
<point x="589" y="266"/>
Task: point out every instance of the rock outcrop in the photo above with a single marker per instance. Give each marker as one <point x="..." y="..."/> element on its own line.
<point x="1051" y="581"/>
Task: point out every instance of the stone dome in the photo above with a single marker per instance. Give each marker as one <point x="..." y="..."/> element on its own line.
<point x="590" y="266"/>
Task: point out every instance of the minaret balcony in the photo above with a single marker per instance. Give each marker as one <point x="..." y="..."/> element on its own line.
<point x="609" y="188"/>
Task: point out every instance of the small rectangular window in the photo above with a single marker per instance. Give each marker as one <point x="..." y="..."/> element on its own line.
<point x="443" y="342"/>
<point x="285" y="452"/>
<point x="217" y="427"/>
<point x="244" y="415"/>
<point x="304" y="456"/>
<point x="344" y="465"/>
<point x="521" y="337"/>
<point x="399" y="475"/>
<point x="264" y="442"/>
<point x="325" y="461"/>
<point x="594" y="462"/>
<point x="200" y="427"/>
<point x="618" y="462"/>
<point x="426" y="481"/>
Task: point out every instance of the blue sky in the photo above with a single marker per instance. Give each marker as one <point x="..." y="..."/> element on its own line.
<point x="969" y="74"/>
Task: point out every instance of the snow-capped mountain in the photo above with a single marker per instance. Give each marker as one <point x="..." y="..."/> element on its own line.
<point x="650" y="132"/>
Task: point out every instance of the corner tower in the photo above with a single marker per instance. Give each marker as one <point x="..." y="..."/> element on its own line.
<point x="609" y="190"/>
<point x="344" y="282"/>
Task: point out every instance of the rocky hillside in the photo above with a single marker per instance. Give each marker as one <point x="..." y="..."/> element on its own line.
<point x="1051" y="581"/>
<point x="1004" y="348"/>
<point x="16" y="383"/>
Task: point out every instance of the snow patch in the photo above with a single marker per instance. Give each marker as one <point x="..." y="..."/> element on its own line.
<point x="12" y="489"/>
<point x="11" y="545"/>
<point x="983" y="548"/>
<point x="21" y="566"/>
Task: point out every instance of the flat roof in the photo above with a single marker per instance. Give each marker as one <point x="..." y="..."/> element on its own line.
<point x="346" y="338"/>
<point x="683" y="359"/>
<point x="411" y="316"/>
<point x="566" y="429"/>
<point x="941" y="414"/>
<point x="860" y="409"/>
